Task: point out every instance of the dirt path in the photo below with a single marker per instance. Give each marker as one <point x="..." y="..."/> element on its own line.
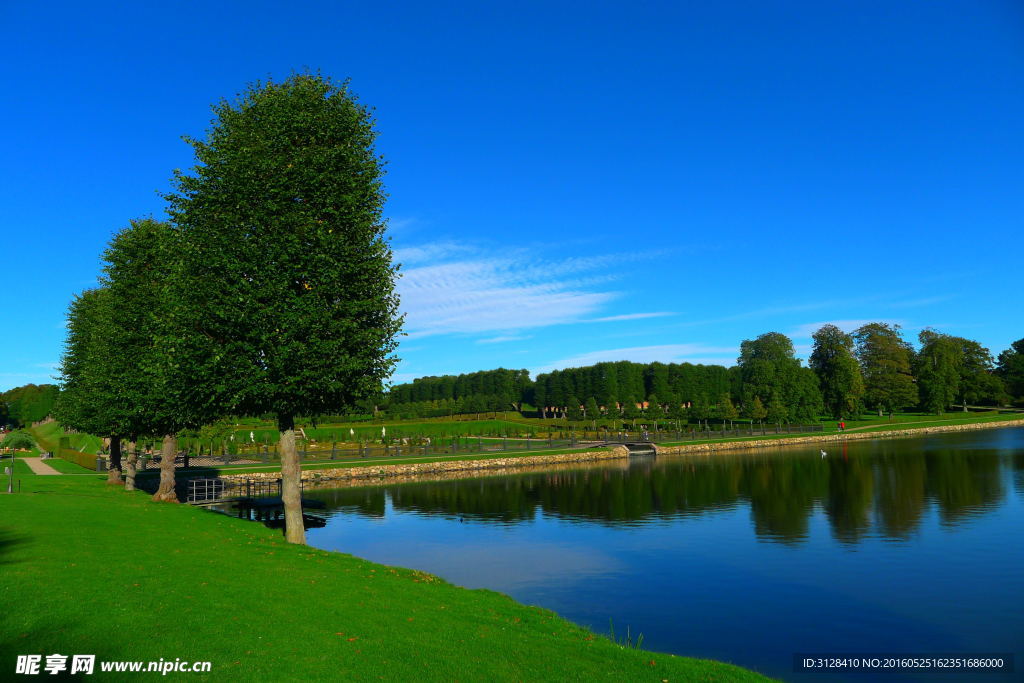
<point x="38" y="466"/>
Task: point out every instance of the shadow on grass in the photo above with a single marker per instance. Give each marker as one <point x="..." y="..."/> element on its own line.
<point x="9" y="540"/>
<point x="43" y="641"/>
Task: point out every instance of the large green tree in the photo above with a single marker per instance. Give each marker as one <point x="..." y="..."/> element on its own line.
<point x="938" y="365"/>
<point x="770" y="371"/>
<point x="832" y="359"/>
<point x="138" y="271"/>
<point x="886" y="363"/>
<point x="286" y="276"/>
<point x="92" y="375"/>
<point x="978" y="382"/>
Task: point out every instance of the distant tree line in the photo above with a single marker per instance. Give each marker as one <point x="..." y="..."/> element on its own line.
<point x="873" y="368"/>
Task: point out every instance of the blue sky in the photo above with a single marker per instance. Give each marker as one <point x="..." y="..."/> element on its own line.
<point x="569" y="182"/>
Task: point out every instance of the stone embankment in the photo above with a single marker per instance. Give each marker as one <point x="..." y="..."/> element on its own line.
<point x="457" y="469"/>
<point x="439" y="469"/>
<point x="683" y="449"/>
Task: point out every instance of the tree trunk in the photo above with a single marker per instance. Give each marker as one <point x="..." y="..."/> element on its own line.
<point x="114" y="473"/>
<point x="168" y="451"/>
<point x="130" y="462"/>
<point x="291" y="475"/>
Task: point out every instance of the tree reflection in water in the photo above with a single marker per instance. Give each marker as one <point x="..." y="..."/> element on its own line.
<point x="882" y="488"/>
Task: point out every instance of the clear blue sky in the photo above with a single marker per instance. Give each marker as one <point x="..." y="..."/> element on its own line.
<point x="569" y="182"/>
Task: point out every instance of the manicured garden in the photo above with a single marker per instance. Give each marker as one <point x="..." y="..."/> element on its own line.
<point x="91" y="569"/>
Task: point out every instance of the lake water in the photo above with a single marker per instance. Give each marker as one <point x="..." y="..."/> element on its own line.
<point x="900" y="546"/>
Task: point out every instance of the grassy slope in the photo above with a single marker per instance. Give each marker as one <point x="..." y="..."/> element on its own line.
<point x="132" y="579"/>
<point x="48" y="435"/>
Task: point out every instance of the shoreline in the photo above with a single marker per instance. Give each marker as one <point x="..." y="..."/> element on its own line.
<point x="456" y="469"/>
<point x="681" y="449"/>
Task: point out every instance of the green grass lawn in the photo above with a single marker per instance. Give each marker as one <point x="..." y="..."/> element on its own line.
<point x="67" y="467"/>
<point x="20" y="468"/>
<point x="90" y="569"/>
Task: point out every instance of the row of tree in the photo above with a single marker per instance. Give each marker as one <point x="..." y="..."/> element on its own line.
<point x="509" y="386"/>
<point x="271" y="290"/>
<point x="872" y="368"/>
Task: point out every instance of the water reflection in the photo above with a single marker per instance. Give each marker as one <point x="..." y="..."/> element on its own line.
<point x="882" y="489"/>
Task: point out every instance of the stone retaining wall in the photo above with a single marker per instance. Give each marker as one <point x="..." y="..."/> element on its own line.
<point x="455" y="469"/>
<point x="820" y="438"/>
<point x="435" y="468"/>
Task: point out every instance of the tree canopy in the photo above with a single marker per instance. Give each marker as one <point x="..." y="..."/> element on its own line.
<point x="833" y="361"/>
<point x="885" y="363"/>
<point x="287" y="282"/>
<point x="1011" y="369"/>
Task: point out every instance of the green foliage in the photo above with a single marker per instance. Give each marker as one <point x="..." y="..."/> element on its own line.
<point x="938" y="370"/>
<point x="612" y="383"/>
<point x="1011" y="369"/>
<point x="630" y="410"/>
<point x="726" y="410"/>
<point x="507" y="388"/>
<point x="18" y="440"/>
<point x="572" y="408"/>
<point x="21" y="406"/>
<point x="139" y="275"/>
<point x="776" y="412"/>
<point x="654" y="409"/>
<point x="839" y="374"/>
<point x="93" y="368"/>
<point x="757" y="411"/>
<point x="769" y="371"/>
<point x="286" y="283"/>
<point x="886" y="365"/>
<point x="977" y="381"/>
<point x="592" y="409"/>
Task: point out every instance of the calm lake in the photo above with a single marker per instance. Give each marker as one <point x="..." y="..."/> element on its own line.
<point x="900" y="546"/>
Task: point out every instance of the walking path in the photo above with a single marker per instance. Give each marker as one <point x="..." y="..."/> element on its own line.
<point x="38" y="466"/>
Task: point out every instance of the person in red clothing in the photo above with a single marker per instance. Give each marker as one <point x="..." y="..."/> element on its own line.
<point x="842" y="426"/>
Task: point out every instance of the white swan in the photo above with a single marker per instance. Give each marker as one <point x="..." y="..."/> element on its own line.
<point x="823" y="454"/>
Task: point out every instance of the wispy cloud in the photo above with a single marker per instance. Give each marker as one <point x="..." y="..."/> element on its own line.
<point x="629" y="316"/>
<point x="665" y="353"/>
<point x="462" y="289"/>
<point x="424" y="253"/>
<point x="807" y="330"/>
<point x="505" y="338"/>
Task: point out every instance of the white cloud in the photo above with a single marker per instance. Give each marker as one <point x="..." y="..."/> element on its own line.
<point x="629" y="316"/>
<point x="460" y="289"/>
<point x="428" y="252"/>
<point x="807" y="330"/>
<point x="666" y="353"/>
